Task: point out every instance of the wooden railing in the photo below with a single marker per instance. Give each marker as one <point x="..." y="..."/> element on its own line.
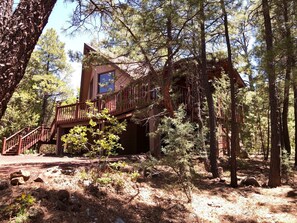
<point x="134" y="96"/>
<point x="18" y="143"/>
<point x="39" y="134"/>
<point x="12" y="142"/>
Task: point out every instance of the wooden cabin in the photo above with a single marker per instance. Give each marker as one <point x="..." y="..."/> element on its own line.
<point x="123" y="92"/>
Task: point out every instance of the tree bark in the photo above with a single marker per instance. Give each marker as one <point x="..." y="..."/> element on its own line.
<point x="261" y="135"/>
<point x="295" y="116"/>
<point x="210" y="102"/>
<point x="289" y="64"/>
<point x="20" y="31"/>
<point x="274" y="172"/>
<point x="234" y="127"/>
<point x="268" y="136"/>
<point x="168" y="71"/>
<point x="5" y="13"/>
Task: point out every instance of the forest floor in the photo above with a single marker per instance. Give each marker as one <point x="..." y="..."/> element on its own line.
<point x="68" y="194"/>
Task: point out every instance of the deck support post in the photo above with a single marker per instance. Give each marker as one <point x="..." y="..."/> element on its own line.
<point x="42" y="133"/>
<point x="76" y="110"/>
<point x="155" y="140"/>
<point x="3" y="146"/>
<point x="20" y="145"/>
<point x="59" y="143"/>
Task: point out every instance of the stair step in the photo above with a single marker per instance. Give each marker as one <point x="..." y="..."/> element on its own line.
<point x="11" y="153"/>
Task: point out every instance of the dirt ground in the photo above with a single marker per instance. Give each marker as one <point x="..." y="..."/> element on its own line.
<point x="65" y="197"/>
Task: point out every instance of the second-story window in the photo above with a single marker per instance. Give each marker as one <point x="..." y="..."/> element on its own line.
<point x="106" y="82"/>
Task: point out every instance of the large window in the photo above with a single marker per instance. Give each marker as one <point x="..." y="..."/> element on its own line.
<point x="106" y="82"/>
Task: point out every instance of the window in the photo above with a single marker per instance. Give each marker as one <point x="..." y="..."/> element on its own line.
<point x="106" y="82"/>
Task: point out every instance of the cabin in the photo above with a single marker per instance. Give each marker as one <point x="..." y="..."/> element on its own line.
<point x="126" y="93"/>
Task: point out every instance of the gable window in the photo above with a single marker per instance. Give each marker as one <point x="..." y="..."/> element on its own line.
<point x="106" y="82"/>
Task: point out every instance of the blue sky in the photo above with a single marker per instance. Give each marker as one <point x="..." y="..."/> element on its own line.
<point x="58" y="20"/>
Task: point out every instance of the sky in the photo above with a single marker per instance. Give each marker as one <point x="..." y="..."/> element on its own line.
<point x="58" y="20"/>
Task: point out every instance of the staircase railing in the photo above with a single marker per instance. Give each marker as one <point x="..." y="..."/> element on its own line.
<point x="38" y="134"/>
<point x="12" y="141"/>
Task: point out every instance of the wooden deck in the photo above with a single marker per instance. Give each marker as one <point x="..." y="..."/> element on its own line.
<point x="127" y="100"/>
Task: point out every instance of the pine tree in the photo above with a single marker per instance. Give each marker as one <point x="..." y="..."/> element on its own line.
<point x="49" y="71"/>
<point x="209" y="97"/>
<point x="274" y="173"/>
<point x="19" y="32"/>
<point x="234" y="129"/>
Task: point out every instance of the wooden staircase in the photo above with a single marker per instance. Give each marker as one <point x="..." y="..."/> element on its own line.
<point x="26" y="138"/>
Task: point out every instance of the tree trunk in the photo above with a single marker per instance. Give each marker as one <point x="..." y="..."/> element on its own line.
<point x="234" y="127"/>
<point x="210" y="102"/>
<point x="19" y="34"/>
<point x="274" y="172"/>
<point x="5" y="13"/>
<point x="268" y="137"/>
<point x="168" y="70"/>
<point x="43" y="110"/>
<point x="295" y="88"/>
<point x="285" y="129"/>
<point x="289" y="64"/>
<point x="295" y="116"/>
<point x="261" y="135"/>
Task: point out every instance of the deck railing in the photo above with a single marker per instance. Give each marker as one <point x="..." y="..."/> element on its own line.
<point x="132" y="97"/>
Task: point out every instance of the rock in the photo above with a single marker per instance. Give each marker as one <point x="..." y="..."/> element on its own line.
<point x="68" y="171"/>
<point x="292" y="193"/>
<point x="39" y="180"/>
<point x="21" y="173"/>
<point x="4" y="184"/>
<point x="250" y="181"/>
<point x="63" y="195"/>
<point x="17" y="181"/>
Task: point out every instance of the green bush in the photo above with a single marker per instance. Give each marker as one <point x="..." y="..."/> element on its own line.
<point x="104" y="130"/>
<point x="178" y="137"/>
